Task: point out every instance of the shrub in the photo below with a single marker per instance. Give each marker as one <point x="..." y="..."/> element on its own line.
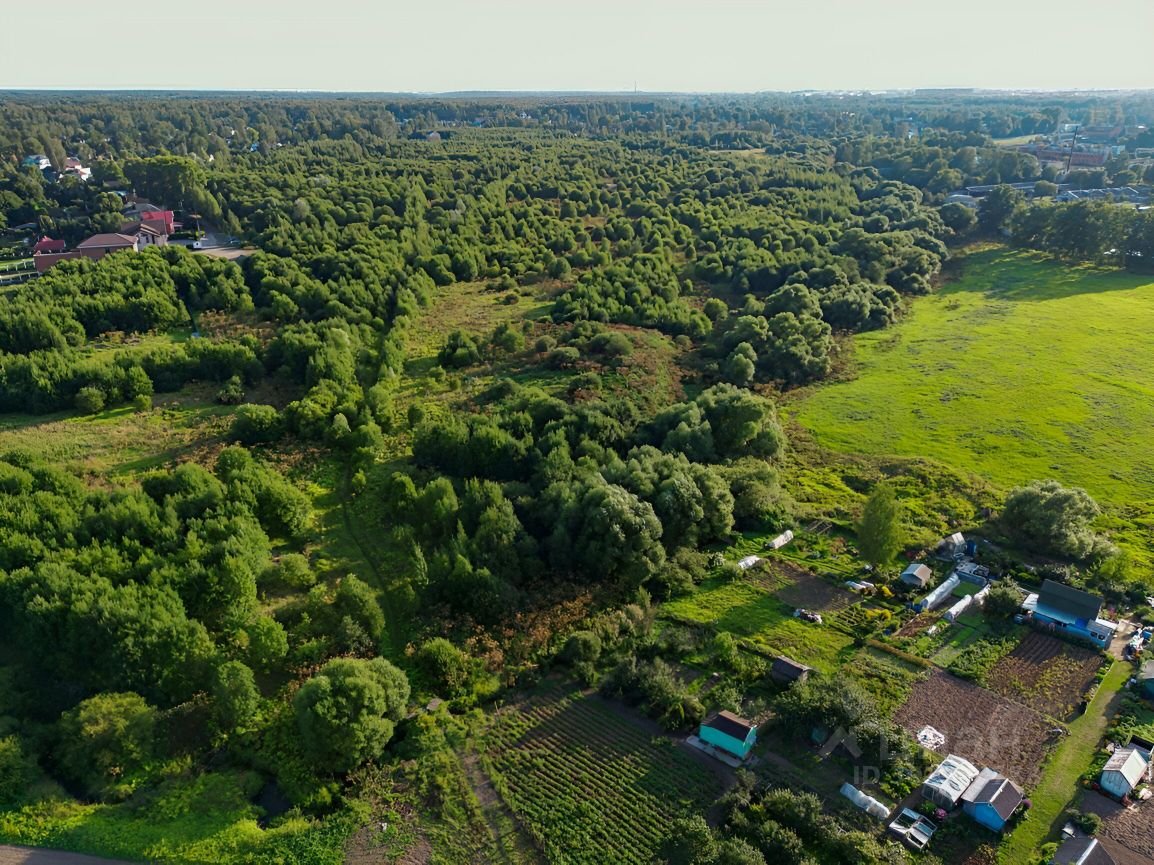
<point x="90" y="399"/>
<point x="726" y="651"/>
<point x="105" y="740"/>
<point x="582" y="647"/>
<point x="562" y="358"/>
<point x="1086" y="821"/>
<point x="293" y="570"/>
<point x="16" y="771"/>
<point x="256" y="424"/>
<point x="445" y="666"/>
<point x="232" y="393"/>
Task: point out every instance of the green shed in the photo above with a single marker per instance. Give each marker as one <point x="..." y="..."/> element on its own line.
<point x="730" y="733"/>
<point x="1146" y="680"/>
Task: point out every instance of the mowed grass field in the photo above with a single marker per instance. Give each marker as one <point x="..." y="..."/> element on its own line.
<point x="1020" y="368"/>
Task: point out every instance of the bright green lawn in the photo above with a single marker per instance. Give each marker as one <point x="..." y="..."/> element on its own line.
<point x="207" y="819"/>
<point x="746" y="610"/>
<point x="1022" y="368"/>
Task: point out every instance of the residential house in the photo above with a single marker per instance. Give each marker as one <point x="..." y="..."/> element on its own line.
<point x="100" y="245"/>
<point x="786" y="671"/>
<point x="917" y="575"/>
<point x="38" y="161"/>
<point x="992" y="799"/>
<point x="729" y="733"/>
<point x="135" y="236"/>
<point x="149" y="232"/>
<point x="949" y="781"/>
<point x="75" y="168"/>
<point x="1082" y="850"/>
<point x="166" y="219"/>
<point x="47" y="244"/>
<point x="1066" y="610"/>
<point x="1125" y="770"/>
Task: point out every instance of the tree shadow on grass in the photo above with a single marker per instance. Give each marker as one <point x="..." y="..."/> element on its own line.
<point x="1021" y="275"/>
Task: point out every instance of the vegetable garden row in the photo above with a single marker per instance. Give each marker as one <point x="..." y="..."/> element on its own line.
<point x="589" y="784"/>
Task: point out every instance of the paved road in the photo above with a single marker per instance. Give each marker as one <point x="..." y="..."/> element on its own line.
<point x="32" y="856"/>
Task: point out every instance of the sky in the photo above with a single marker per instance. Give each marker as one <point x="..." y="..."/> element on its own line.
<point x="589" y="45"/>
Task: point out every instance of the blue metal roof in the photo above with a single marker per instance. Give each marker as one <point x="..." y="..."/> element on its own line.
<point x="1055" y="615"/>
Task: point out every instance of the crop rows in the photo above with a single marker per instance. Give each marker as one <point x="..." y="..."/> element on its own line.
<point x="1046" y="673"/>
<point x="591" y="785"/>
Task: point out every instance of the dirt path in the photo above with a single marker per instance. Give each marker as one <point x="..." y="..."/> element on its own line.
<point x="508" y="839"/>
<point x="35" y="856"/>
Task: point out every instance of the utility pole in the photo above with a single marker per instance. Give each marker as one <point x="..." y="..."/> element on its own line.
<point x="1073" y="141"/>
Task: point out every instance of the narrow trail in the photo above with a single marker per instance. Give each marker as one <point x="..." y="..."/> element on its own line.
<point x="393" y="614"/>
<point x="508" y="838"/>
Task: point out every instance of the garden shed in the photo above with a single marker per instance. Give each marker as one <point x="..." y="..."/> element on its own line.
<point x="954" y="545"/>
<point x="729" y="733"/>
<point x="992" y="799"/>
<point x="1125" y="770"/>
<point x="1082" y="850"/>
<point x="917" y="575"/>
<point x="786" y="671"/>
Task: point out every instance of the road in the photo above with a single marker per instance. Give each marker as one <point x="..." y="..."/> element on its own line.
<point x="33" y="856"/>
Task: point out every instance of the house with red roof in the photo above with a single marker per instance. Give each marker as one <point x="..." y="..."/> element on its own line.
<point x="47" y="244"/>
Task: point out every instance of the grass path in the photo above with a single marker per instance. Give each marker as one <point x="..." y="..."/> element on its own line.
<point x="1059" y="784"/>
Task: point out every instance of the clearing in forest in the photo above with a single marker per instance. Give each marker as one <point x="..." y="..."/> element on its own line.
<point x="745" y="609"/>
<point x="589" y="783"/>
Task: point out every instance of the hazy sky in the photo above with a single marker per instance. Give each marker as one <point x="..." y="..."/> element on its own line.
<point x="655" y="45"/>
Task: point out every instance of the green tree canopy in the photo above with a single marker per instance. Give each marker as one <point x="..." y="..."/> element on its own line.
<point x="346" y="713"/>
<point x="880" y="530"/>
<point x="1048" y="518"/>
<point x="105" y="740"/>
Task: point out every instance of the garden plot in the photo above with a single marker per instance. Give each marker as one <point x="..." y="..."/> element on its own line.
<point x="1045" y="673"/>
<point x="798" y="587"/>
<point x="590" y="784"/>
<point x="746" y="610"/>
<point x="1132" y="828"/>
<point x="983" y="727"/>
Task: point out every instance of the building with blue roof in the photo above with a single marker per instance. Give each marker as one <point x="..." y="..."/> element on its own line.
<point x="1070" y="612"/>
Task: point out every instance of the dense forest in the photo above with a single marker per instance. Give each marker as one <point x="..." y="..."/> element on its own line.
<point x="657" y="274"/>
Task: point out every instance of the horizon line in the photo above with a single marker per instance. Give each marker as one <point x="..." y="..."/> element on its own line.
<point x="497" y="92"/>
